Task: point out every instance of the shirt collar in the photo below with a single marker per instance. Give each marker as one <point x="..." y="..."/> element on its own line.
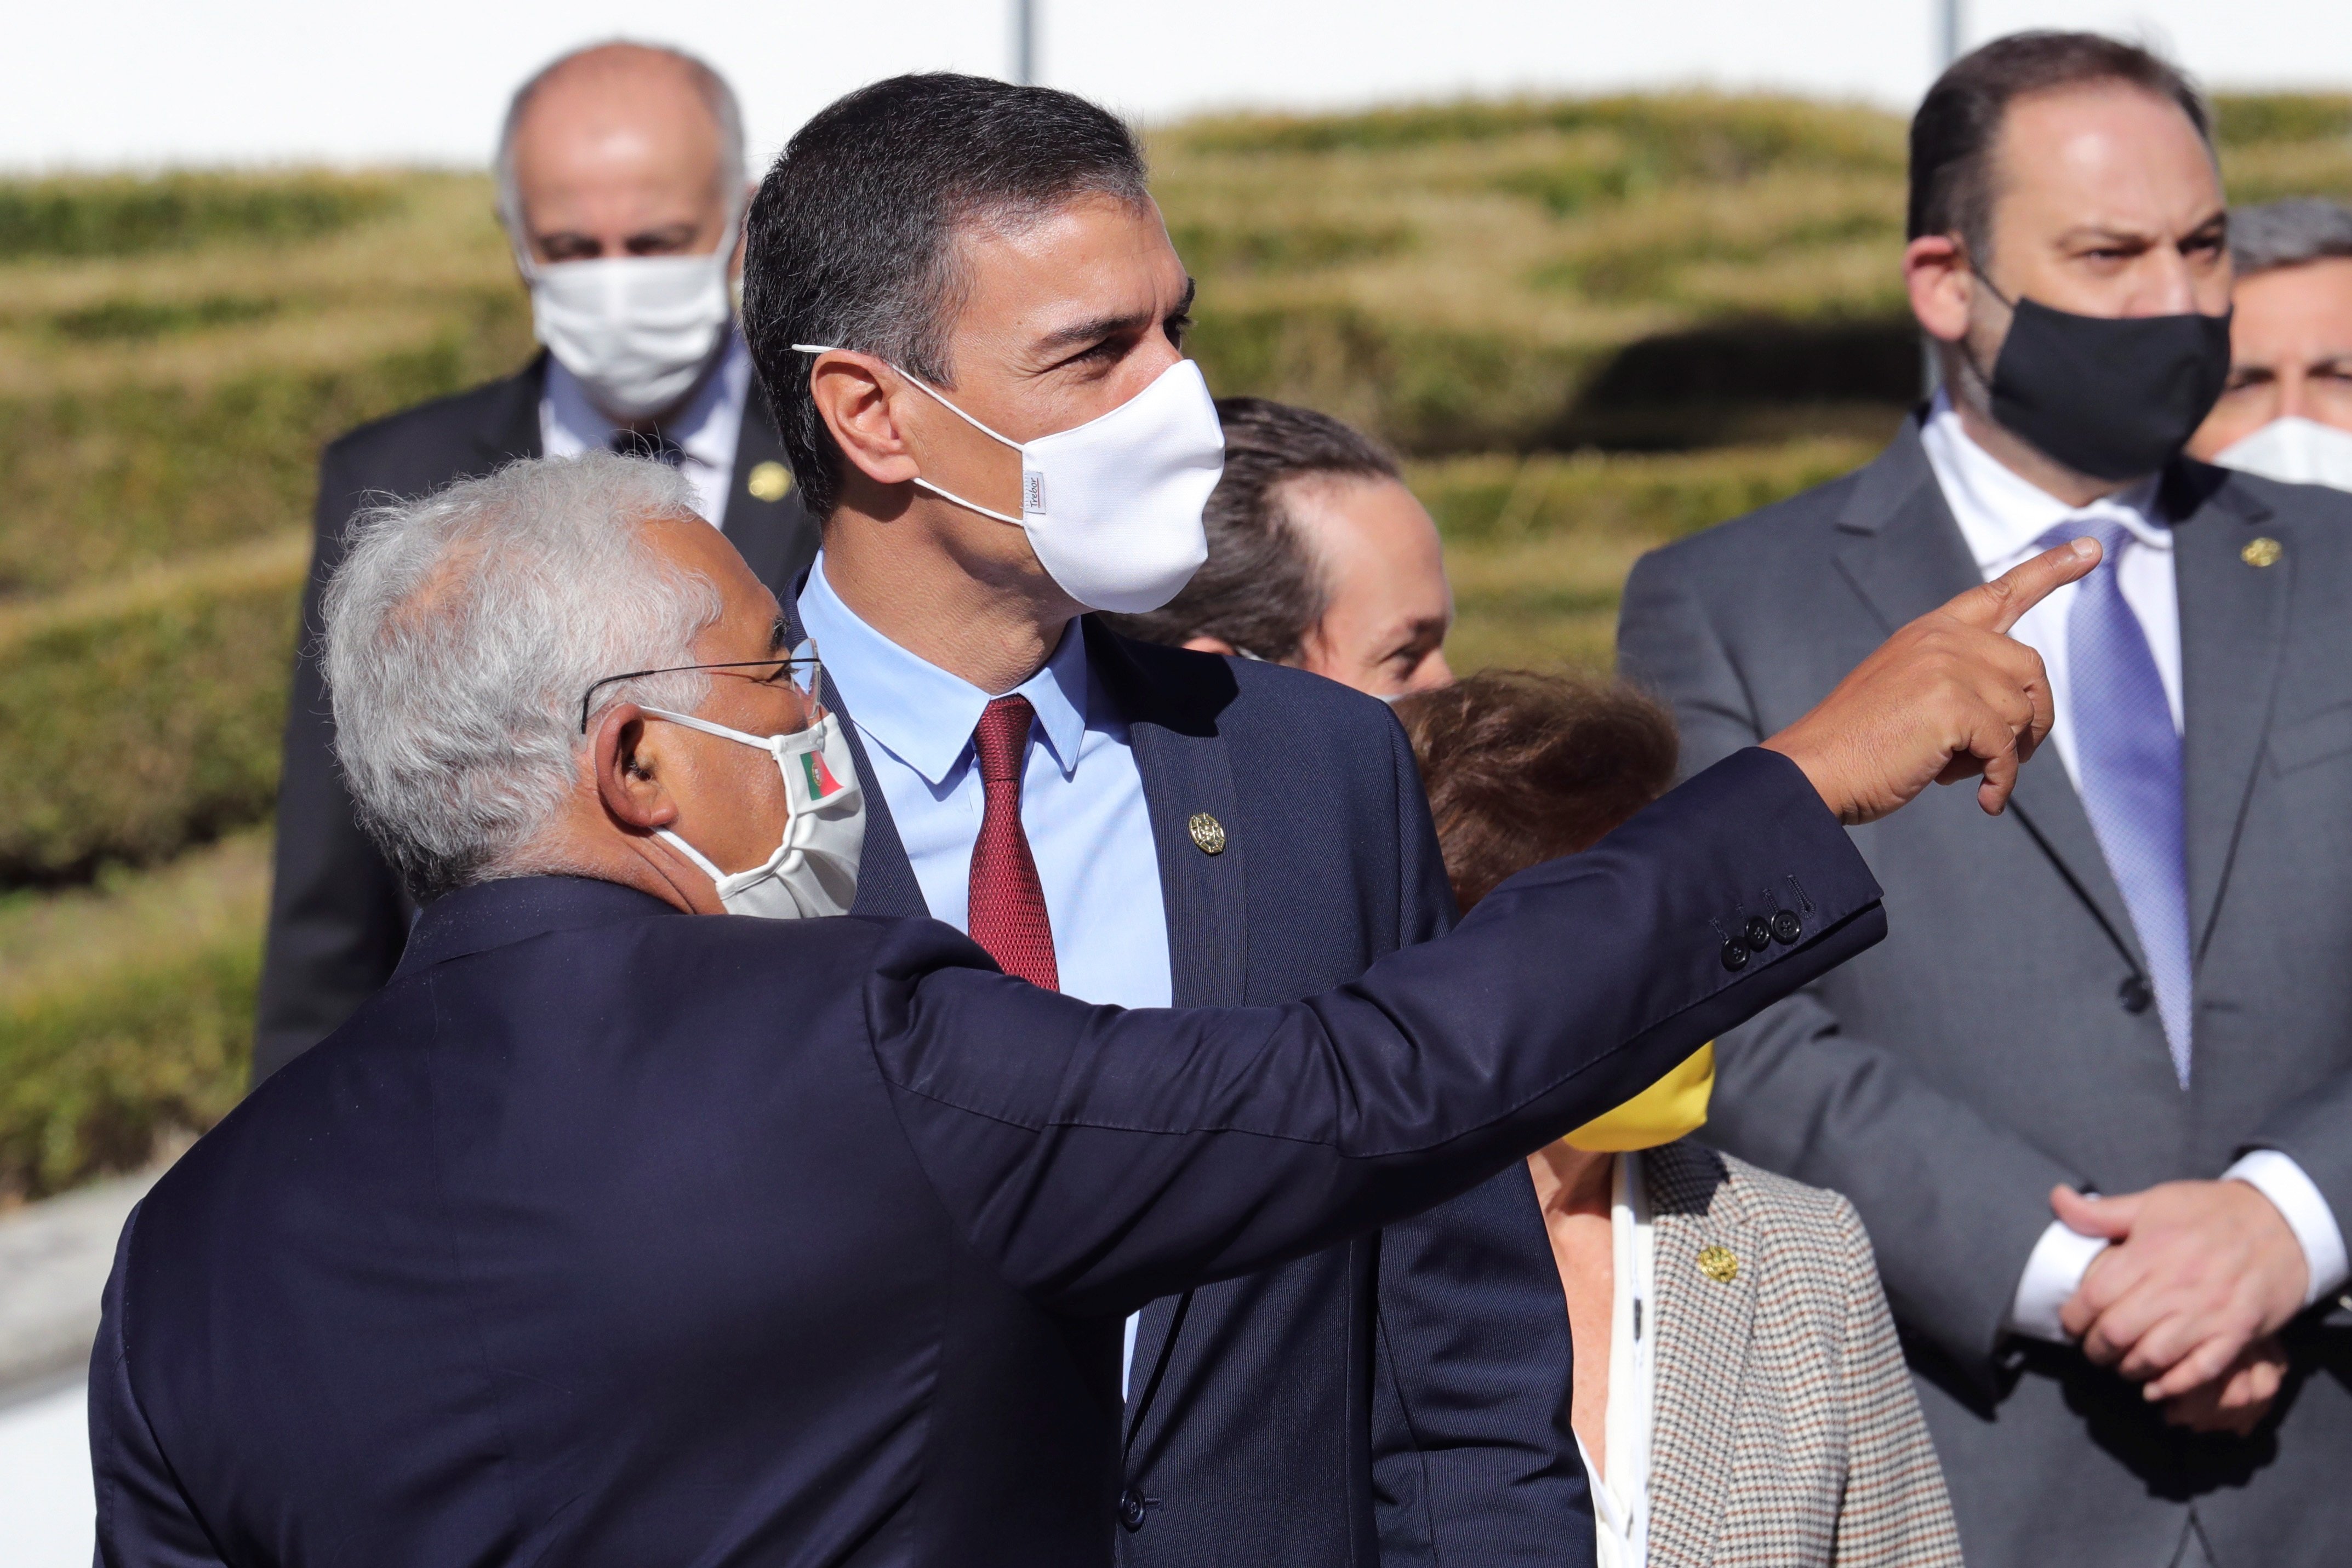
<point x="2001" y="513"/>
<point x="705" y="429"/>
<point x="923" y="714"/>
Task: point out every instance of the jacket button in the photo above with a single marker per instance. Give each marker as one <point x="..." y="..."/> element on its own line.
<point x="1131" y="1510"/>
<point x="1787" y="927"/>
<point x="1734" y="955"/>
<point x="2134" y="994"/>
<point x="1757" y="933"/>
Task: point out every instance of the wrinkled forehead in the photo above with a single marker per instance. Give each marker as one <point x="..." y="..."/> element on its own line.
<point x="2109" y="156"/>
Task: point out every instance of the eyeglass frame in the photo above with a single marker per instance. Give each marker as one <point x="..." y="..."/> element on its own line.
<point x="805" y="654"/>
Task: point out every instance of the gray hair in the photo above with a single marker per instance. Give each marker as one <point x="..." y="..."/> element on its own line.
<point x="726" y="112"/>
<point x="462" y="631"/>
<point x="2287" y="233"/>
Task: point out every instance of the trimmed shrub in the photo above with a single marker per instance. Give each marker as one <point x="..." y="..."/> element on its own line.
<point x="139" y="719"/>
<point x="127" y="215"/>
<point x="126" y="1014"/>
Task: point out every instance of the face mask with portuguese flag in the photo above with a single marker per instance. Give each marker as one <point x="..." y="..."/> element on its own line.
<point x="814" y="872"/>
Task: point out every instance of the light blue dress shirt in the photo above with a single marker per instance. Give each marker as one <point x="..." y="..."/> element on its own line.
<point x="1082" y="799"/>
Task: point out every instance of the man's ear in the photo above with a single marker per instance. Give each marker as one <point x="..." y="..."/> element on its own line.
<point x="855" y="395"/>
<point x="1201" y="642"/>
<point x="1936" y="273"/>
<point x="629" y="773"/>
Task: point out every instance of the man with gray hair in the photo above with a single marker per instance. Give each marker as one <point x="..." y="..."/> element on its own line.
<point x="2286" y="410"/>
<point x="603" y="1236"/>
<point x="620" y="182"/>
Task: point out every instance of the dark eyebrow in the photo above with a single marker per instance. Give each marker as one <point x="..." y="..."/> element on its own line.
<point x="778" y="635"/>
<point x="1101" y="327"/>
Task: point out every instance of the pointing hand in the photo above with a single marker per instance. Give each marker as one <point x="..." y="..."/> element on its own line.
<point x="1947" y="697"/>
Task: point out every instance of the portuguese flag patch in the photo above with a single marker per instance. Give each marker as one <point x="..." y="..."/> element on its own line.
<point x="822" y="784"/>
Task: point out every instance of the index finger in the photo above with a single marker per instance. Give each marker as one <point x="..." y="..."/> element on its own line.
<point x="1995" y="606"/>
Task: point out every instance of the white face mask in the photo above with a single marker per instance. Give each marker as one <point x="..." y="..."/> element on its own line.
<point x="638" y="330"/>
<point x="1113" y="507"/>
<point x="815" y="871"/>
<point x="2295" y="451"/>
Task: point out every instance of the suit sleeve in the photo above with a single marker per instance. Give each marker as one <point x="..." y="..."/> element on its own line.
<point x="144" y="1521"/>
<point x="1100" y="1158"/>
<point x="1473" y="1460"/>
<point x="337" y="919"/>
<point x="1954" y="1203"/>
<point x="1895" y="1512"/>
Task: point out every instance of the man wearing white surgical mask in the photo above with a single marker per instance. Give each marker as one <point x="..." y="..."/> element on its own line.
<point x="2286" y="412"/>
<point x="965" y="304"/>
<point x="620" y="184"/>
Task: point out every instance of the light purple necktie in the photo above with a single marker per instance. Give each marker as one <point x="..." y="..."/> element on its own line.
<point x="2128" y="762"/>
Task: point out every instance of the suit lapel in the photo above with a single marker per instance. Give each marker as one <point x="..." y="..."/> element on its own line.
<point x="1704" y="1328"/>
<point x="886" y="877"/>
<point x="511" y="429"/>
<point x="1187" y="772"/>
<point x="777" y="537"/>
<point x="2232" y="635"/>
<point x="1906" y="557"/>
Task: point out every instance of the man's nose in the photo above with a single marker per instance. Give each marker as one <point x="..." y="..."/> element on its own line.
<point x="2165" y="284"/>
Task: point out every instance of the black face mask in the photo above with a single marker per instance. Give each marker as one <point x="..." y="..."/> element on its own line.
<point x="2112" y="397"/>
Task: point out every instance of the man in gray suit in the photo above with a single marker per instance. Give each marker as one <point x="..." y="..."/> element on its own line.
<point x="2139" y="982"/>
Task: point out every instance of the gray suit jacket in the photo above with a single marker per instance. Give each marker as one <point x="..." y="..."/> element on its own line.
<point x="1988" y="1050"/>
<point x="1785" y="1433"/>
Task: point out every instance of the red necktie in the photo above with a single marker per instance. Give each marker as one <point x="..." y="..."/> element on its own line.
<point x="1007" y="915"/>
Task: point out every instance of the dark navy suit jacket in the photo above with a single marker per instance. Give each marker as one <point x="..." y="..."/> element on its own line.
<point x="607" y="1234"/>
<point x="1402" y="1399"/>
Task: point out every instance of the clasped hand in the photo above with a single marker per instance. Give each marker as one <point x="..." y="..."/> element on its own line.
<point x="2187" y="1298"/>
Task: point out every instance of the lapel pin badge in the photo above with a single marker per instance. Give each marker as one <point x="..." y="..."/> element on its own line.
<point x="2263" y="551"/>
<point x="769" y="481"/>
<point x="1207" y="833"/>
<point x="1718" y="1265"/>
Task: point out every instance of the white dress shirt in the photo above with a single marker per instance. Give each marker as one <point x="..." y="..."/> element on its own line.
<point x="1621" y="1499"/>
<point x="2001" y="516"/>
<point x="706" y="430"/>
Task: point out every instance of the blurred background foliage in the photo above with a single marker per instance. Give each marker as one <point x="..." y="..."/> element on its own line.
<point x="1591" y="326"/>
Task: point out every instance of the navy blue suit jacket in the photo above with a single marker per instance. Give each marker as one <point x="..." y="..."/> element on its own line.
<point x="607" y="1234"/>
<point x="1399" y="1400"/>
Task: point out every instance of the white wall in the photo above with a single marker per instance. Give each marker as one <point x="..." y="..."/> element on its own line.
<point x="147" y="81"/>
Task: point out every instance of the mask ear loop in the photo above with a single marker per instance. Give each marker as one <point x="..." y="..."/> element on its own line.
<point x="935" y="396"/>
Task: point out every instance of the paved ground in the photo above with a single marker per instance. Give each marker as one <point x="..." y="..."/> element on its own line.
<point x="45" y="1494"/>
<point x="54" y="1258"/>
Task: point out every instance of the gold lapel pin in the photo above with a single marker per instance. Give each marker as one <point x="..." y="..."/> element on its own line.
<point x="769" y="481"/>
<point x="1718" y="1265"/>
<point x="1208" y="833"/>
<point x="2263" y="551"/>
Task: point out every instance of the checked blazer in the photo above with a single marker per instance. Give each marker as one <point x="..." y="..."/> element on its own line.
<point x="1785" y="1432"/>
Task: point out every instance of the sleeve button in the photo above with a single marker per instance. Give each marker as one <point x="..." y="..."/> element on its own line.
<point x="1757" y="933"/>
<point x="1787" y="927"/>
<point x="1734" y="955"/>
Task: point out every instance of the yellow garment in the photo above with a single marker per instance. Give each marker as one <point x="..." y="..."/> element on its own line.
<point x="1673" y="1107"/>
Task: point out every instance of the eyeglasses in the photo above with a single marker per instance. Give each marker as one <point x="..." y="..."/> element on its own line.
<point x="800" y="666"/>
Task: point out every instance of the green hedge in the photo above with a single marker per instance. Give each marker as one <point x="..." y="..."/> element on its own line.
<point x="126" y="1014"/>
<point x="139" y="719"/>
<point x="126" y="215"/>
<point x="100" y="482"/>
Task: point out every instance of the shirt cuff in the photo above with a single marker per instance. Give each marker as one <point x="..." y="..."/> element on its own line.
<point x="2052" y="1272"/>
<point x="2298" y="1199"/>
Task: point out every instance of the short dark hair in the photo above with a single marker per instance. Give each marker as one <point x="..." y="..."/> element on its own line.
<point x="1953" y="133"/>
<point x="851" y="238"/>
<point x="2288" y="233"/>
<point x="1523" y="767"/>
<point x="1262" y="590"/>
